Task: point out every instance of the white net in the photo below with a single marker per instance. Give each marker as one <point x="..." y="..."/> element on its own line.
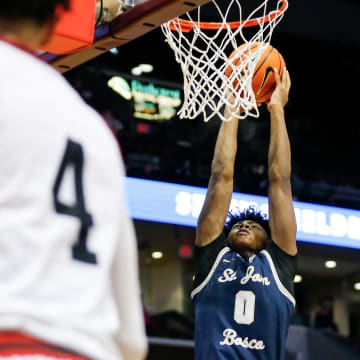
<point x="211" y="79"/>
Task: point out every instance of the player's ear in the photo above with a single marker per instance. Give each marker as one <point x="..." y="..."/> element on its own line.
<point x="50" y="24"/>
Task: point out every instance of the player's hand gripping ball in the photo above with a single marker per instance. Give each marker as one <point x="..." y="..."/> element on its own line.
<point x="263" y="81"/>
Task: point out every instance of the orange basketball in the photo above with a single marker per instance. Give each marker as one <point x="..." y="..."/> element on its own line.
<point x="263" y="82"/>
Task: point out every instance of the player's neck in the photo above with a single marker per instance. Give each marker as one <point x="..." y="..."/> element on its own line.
<point x="24" y="32"/>
<point x="246" y="254"/>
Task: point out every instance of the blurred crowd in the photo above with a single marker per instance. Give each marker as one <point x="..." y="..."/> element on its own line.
<point x="181" y="150"/>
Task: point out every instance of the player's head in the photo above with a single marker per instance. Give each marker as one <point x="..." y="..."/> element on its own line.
<point x="39" y="11"/>
<point x="18" y="16"/>
<point x="247" y="231"/>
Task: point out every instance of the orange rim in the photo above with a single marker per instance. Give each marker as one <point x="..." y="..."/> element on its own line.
<point x="186" y="25"/>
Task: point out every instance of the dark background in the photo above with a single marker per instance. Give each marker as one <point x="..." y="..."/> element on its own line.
<point x="319" y="42"/>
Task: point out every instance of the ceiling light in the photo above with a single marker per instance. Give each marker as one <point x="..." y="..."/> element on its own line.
<point x="297" y="279"/>
<point x="142" y="68"/>
<point x="114" y="51"/>
<point x="147" y="68"/>
<point x="121" y="86"/>
<point x="330" y="264"/>
<point x="136" y="71"/>
<point x="157" y="254"/>
<point x="357" y="286"/>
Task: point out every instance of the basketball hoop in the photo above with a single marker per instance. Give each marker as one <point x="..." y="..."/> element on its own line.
<point x="203" y="48"/>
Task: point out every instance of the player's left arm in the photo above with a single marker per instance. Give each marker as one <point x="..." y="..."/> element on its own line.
<point x="132" y="337"/>
<point x="281" y="211"/>
<point x="125" y="281"/>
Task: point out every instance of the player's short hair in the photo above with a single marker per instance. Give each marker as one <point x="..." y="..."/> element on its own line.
<point x="36" y="10"/>
<point x="250" y="213"/>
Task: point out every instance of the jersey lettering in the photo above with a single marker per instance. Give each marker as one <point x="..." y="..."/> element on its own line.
<point x="228" y="275"/>
<point x="244" y="312"/>
<point x="74" y="156"/>
<point x="231" y="338"/>
<point x="254" y="277"/>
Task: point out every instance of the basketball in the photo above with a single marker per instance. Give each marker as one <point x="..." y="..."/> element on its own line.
<point x="263" y="82"/>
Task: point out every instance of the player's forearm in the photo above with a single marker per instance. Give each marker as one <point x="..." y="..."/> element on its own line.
<point x="279" y="157"/>
<point x="134" y="349"/>
<point x="216" y="206"/>
<point x="126" y="285"/>
<point x="225" y="150"/>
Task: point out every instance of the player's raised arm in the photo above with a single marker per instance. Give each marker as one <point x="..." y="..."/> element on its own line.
<point x="216" y="206"/>
<point x="281" y="212"/>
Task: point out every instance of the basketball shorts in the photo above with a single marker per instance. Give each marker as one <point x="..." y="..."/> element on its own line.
<point x="19" y="346"/>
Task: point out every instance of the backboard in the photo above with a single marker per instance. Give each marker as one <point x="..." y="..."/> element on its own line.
<point x="145" y="16"/>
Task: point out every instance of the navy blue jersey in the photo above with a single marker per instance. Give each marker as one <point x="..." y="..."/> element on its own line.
<point x="242" y="306"/>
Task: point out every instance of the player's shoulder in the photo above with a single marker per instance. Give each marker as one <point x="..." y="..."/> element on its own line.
<point x="30" y="78"/>
<point x="30" y="85"/>
<point x="18" y="61"/>
<point x="283" y="264"/>
<point x="279" y="259"/>
<point x="277" y="253"/>
<point x="34" y="91"/>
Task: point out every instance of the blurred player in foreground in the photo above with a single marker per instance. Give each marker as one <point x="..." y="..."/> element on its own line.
<point x="243" y="289"/>
<point x="69" y="284"/>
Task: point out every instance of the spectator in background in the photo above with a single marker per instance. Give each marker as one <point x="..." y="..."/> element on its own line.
<point x="86" y="94"/>
<point x="321" y="316"/>
<point x="115" y="124"/>
<point x="69" y="284"/>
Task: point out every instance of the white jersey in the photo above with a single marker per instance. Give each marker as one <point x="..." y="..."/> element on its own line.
<point x="68" y="259"/>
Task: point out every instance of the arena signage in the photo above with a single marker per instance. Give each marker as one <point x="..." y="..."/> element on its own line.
<point x="181" y="204"/>
<point x="151" y="102"/>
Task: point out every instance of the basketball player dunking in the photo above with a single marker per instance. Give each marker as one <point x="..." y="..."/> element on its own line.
<point x="243" y="292"/>
<point x="69" y="284"/>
